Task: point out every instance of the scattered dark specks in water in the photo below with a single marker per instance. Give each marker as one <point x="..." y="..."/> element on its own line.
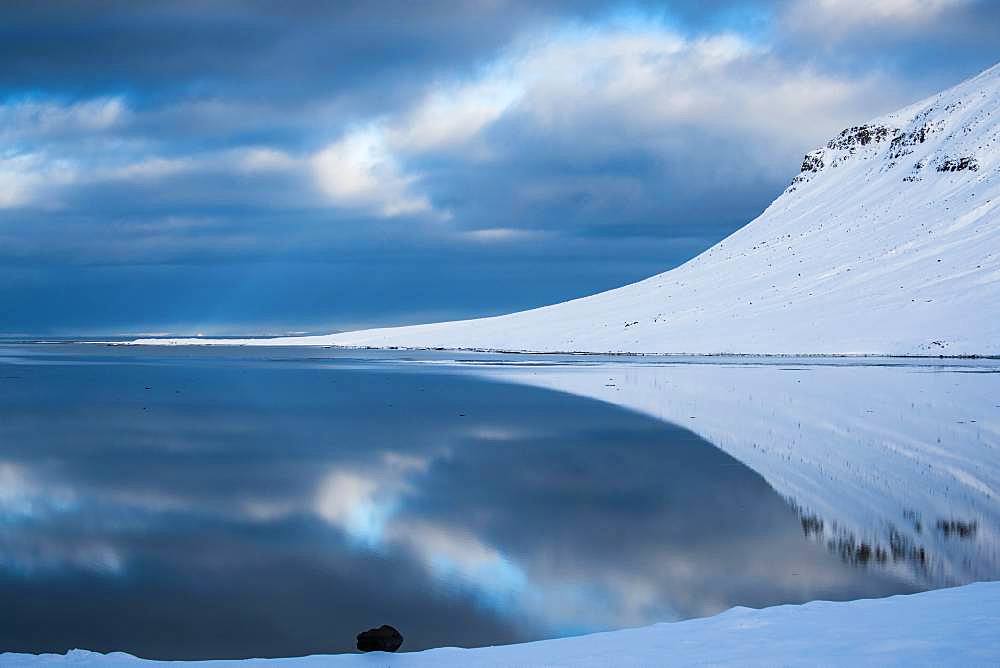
<point x="957" y="528"/>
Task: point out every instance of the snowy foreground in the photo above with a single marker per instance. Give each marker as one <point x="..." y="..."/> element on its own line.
<point x="887" y="242"/>
<point x="944" y="627"/>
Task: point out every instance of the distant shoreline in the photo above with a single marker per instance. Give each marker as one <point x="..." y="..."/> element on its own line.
<point x="244" y="342"/>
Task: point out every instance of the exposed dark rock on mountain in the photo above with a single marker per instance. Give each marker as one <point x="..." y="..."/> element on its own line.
<point x="957" y="165"/>
<point x="860" y="135"/>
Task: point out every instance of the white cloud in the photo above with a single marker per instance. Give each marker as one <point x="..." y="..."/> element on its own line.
<point x="648" y="90"/>
<point x="359" y="171"/>
<point x="151" y="169"/>
<point x="244" y="160"/>
<point x="450" y="115"/>
<point x="52" y="145"/>
<point x="585" y="92"/>
<point x="834" y="19"/>
<point x="26" y="177"/>
<point x="500" y="235"/>
<point x="364" y="168"/>
<point x="263" y="159"/>
<point x="38" y="119"/>
<point x="651" y="89"/>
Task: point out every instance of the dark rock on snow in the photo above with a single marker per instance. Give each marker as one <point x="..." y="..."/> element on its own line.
<point x="383" y="639"/>
<point x="859" y="135"/>
<point x="813" y="161"/>
<point x="950" y="165"/>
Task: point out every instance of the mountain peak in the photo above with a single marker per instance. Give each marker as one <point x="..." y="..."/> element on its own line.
<point x="953" y="131"/>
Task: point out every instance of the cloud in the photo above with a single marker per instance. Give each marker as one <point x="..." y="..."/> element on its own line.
<point x="364" y="168"/>
<point x="654" y="85"/>
<point x="25" y="177"/>
<point x="360" y="171"/>
<point x="242" y="160"/>
<point x="152" y="168"/>
<point x="835" y="18"/>
<point x="590" y="93"/>
<point x="37" y="119"/>
<point x="500" y="235"/>
<point x="450" y="115"/>
<point x="35" y="132"/>
<point x="263" y="159"/>
<point x="529" y="137"/>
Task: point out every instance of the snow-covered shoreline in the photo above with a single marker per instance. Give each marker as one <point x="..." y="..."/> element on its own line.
<point x="944" y="627"/>
<point x="271" y="342"/>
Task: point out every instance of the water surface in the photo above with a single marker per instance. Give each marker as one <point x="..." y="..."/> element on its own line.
<point x="200" y="503"/>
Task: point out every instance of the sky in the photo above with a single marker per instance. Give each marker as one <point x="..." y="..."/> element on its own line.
<point x="250" y="166"/>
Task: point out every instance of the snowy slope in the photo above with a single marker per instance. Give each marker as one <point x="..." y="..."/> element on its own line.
<point x="888" y="241"/>
<point x="939" y="628"/>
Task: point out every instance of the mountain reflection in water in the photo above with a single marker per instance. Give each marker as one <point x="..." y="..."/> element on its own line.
<point x="889" y="463"/>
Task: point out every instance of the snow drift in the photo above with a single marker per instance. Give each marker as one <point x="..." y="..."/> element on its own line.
<point x="887" y="242"/>
<point x="944" y="627"/>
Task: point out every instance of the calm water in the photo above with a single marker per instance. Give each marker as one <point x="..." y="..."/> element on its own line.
<point x="187" y="503"/>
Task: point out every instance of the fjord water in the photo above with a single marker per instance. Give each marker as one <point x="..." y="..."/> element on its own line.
<point x="227" y="502"/>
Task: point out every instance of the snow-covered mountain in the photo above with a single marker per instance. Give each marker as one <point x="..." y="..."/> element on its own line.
<point x="888" y="241"/>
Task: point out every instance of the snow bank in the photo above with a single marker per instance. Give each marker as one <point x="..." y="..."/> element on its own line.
<point x="944" y="627"/>
<point x="888" y="242"/>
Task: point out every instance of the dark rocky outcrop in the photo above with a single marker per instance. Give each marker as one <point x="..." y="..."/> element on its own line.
<point x="383" y="639"/>
<point x="958" y="164"/>
<point x="859" y="135"/>
<point x="903" y="142"/>
<point x="812" y="162"/>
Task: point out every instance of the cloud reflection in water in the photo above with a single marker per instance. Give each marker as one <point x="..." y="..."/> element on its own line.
<point x="272" y="507"/>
